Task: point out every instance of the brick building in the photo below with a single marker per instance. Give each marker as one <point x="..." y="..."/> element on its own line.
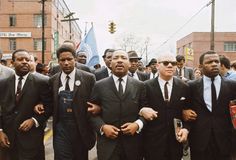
<point x="21" y="27"/>
<point x="196" y="43"/>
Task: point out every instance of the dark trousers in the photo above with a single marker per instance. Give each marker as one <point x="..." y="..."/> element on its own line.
<point x="17" y="153"/>
<point x="212" y="152"/>
<point x="68" y="144"/>
<point x="119" y="153"/>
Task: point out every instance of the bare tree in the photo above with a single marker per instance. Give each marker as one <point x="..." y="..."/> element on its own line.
<point x="130" y="41"/>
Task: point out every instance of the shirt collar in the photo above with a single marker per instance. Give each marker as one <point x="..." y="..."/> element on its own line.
<point x="205" y="78"/>
<point x="116" y="78"/>
<point x="71" y="75"/>
<point x="24" y="77"/>
<point x="162" y="81"/>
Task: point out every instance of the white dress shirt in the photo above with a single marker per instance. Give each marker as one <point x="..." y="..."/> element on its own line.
<point x="109" y="72"/>
<point x="64" y="79"/>
<point x="207" y="90"/>
<point x="22" y="81"/>
<point x="155" y="75"/>
<point x="22" y="86"/>
<point x="124" y="82"/>
<point x="169" y="86"/>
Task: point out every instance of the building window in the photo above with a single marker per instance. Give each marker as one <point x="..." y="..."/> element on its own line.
<point x="12" y="44"/>
<point x="12" y="20"/>
<point x="230" y="46"/>
<point x="38" y="20"/>
<point x="38" y="44"/>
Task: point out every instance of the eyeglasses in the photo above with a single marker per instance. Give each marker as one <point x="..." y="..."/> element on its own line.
<point x="166" y="63"/>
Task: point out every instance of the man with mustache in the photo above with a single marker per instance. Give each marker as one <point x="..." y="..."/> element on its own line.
<point x="21" y="130"/>
<point x="119" y="124"/>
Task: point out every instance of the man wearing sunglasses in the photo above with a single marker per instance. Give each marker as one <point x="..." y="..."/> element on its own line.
<point x="166" y="96"/>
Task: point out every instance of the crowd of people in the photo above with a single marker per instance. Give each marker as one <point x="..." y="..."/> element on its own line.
<point x="129" y="111"/>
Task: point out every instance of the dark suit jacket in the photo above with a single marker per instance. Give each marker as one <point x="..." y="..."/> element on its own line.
<point x="217" y="121"/>
<point x="101" y="73"/>
<point x="118" y="110"/>
<point x="188" y="73"/>
<point x="80" y="97"/>
<point x="159" y="134"/>
<point x="35" y="91"/>
<point x="57" y="68"/>
<point x="142" y="76"/>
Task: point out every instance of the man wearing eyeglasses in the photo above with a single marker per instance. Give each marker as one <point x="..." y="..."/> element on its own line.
<point x="166" y="96"/>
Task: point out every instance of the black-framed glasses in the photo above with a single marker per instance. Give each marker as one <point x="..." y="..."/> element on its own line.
<point x="166" y="63"/>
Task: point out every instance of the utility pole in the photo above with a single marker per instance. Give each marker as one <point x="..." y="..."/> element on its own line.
<point x="69" y="19"/>
<point x="43" y="28"/>
<point x="212" y="25"/>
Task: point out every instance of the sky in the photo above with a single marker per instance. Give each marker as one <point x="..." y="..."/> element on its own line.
<point x="156" y="20"/>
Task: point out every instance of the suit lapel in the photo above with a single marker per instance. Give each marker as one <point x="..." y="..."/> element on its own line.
<point x="129" y="87"/>
<point x="222" y="91"/>
<point x="77" y="83"/>
<point x="12" y="86"/>
<point x="56" y="85"/>
<point x="175" y="90"/>
<point x="157" y="89"/>
<point x="113" y="86"/>
<point x="28" y="83"/>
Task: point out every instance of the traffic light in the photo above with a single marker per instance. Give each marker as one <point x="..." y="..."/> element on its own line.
<point x="112" y="27"/>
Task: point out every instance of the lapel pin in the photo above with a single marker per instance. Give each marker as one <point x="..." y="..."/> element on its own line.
<point x="77" y="83"/>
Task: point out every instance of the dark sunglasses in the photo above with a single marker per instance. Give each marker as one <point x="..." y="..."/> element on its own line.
<point x="166" y="63"/>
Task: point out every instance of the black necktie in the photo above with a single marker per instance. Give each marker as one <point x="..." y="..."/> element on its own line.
<point x="213" y="94"/>
<point x="180" y="73"/>
<point x="67" y="87"/>
<point x="18" y="89"/>
<point x="166" y="92"/>
<point x="120" y="86"/>
<point x="132" y="74"/>
<point x="153" y="75"/>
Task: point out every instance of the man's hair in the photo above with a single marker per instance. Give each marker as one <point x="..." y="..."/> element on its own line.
<point x="106" y="51"/>
<point x="16" y="51"/>
<point x="65" y="48"/>
<point x="224" y="61"/>
<point x="179" y="58"/>
<point x="201" y="58"/>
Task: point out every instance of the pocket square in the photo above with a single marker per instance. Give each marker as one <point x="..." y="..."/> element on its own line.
<point x="182" y="98"/>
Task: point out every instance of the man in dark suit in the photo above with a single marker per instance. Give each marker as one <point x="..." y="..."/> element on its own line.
<point x="167" y="96"/>
<point x="153" y="66"/>
<point x="118" y="125"/>
<point x="183" y="72"/>
<point x="72" y="134"/>
<point x="133" y="69"/>
<point x="105" y="71"/>
<point x="211" y="132"/>
<point x="57" y="68"/>
<point x="22" y="131"/>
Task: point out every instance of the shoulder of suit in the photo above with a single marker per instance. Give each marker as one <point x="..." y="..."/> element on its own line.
<point x="100" y="70"/>
<point x="84" y="73"/>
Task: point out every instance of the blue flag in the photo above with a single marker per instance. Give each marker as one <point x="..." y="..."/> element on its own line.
<point x="89" y="45"/>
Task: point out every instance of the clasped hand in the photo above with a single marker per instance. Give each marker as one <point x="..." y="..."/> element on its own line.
<point x="112" y="132"/>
